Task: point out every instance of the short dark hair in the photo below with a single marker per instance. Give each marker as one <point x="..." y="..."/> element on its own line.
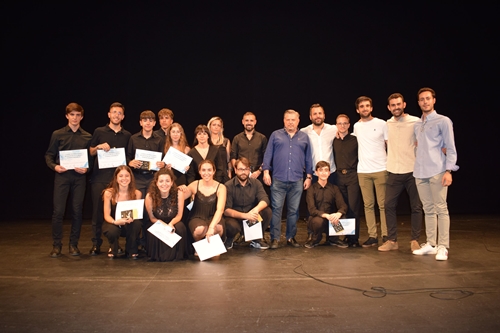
<point x="148" y="114"/>
<point x="74" y="107"/>
<point x="394" y="96"/>
<point x="361" y="99"/>
<point x="421" y="90"/>
<point x="322" y="164"/>
<point x="316" y="105"/>
<point x="118" y="105"/>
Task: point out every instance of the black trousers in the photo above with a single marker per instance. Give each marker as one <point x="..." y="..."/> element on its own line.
<point x="97" y="212"/>
<point x="68" y="184"/>
<point x="349" y="187"/>
<point x="235" y="226"/>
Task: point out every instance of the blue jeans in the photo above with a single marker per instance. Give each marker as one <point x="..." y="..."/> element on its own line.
<point x="292" y="191"/>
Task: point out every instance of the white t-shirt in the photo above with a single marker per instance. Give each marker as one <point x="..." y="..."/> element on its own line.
<point x="371" y="137"/>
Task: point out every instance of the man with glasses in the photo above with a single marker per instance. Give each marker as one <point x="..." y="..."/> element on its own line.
<point x="345" y="149"/>
<point x="105" y="138"/>
<point x="246" y="200"/>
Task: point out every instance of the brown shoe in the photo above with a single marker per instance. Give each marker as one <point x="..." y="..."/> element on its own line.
<point x="414" y="245"/>
<point x="388" y="246"/>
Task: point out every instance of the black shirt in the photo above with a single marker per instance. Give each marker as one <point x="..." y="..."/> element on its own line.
<point x="325" y="200"/>
<point x="114" y="140"/>
<point x="138" y="141"/>
<point x="66" y="139"/>
<point x="244" y="198"/>
<point x="346" y="152"/>
<point x="252" y="149"/>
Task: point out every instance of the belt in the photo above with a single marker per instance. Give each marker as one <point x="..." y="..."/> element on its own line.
<point x="346" y="171"/>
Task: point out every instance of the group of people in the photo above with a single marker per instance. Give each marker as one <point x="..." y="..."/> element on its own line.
<point x="227" y="180"/>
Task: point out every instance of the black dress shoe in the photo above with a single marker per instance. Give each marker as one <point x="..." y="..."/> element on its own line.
<point x="338" y="243"/>
<point x="354" y="244"/>
<point x="274" y="244"/>
<point x="292" y="242"/>
<point x="73" y="250"/>
<point x="56" y="252"/>
<point x="95" y="250"/>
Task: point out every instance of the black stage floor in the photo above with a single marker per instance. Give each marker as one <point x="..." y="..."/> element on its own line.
<point x="325" y="289"/>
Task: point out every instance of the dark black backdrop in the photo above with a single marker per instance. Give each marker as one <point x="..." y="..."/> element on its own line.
<point x="201" y="59"/>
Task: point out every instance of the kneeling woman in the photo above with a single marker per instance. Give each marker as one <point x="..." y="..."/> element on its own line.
<point x="164" y="204"/>
<point x="121" y="188"/>
<point x="205" y="219"/>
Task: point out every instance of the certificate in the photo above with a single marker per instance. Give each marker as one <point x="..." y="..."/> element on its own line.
<point x="129" y="209"/>
<point x="148" y="159"/>
<point x="178" y="160"/>
<point x="208" y="250"/>
<point x="71" y="159"/>
<point x="252" y="229"/>
<point x="164" y="233"/>
<point x="111" y="158"/>
<point x="349" y="226"/>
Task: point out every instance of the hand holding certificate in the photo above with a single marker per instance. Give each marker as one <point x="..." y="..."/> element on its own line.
<point x="111" y="158"/>
<point x="148" y="159"/>
<point x="252" y="229"/>
<point x="177" y="160"/>
<point x="129" y="209"/>
<point x="207" y="250"/>
<point x="71" y="159"/>
<point x="164" y="233"/>
<point x="345" y="227"/>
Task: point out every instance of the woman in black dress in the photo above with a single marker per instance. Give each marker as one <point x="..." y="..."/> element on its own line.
<point x="163" y="204"/>
<point x="203" y="149"/>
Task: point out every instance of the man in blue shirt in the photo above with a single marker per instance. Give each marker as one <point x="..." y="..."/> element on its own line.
<point x="288" y="156"/>
<point x="435" y="160"/>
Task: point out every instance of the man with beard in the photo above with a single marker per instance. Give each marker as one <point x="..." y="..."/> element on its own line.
<point x="251" y="145"/>
<point x="105" y="138"/>
<point x="400" y="162"/>
<point x="246" y="200"/>
<point x="371" y="133"/>
<point x="321" y="137"/>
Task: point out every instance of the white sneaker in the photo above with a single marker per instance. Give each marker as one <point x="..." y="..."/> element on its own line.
<point x="442" y="253"/>
<point x="425" y="248"/>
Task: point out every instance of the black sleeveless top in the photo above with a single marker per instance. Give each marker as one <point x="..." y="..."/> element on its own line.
<point x="204" y="206"/>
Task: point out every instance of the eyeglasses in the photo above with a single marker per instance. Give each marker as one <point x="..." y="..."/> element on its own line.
<point x="242" y="169"/>
<point x="342" y="124"/>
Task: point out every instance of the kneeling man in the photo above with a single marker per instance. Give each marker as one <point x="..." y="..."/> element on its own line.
<point x="246" y="199"/>
<point x="325" y="205"/>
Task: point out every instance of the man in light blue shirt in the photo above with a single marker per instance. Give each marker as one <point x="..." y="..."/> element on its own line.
<point x="287" y="157"/>
<point x="436" y="159"/>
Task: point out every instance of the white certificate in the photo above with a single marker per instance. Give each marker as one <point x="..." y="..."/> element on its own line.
<point x="130" y="208"/>
<point x="349" y="228"/>
<point x="111" y="158"/>
<point x="148" y="156"/>
<point x="164" y="233"/>
<point x="252" y="230"/>
<point x="208" y="250"/>
<point x="178" y="160"/>
<point x="71" y="159"/>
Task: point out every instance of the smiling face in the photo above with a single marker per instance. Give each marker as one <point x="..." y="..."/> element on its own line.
<point x="175" y="134"/>
<point x="249" y="122"/>
<point x="147" y="124"/>
<point x="164" y="183"/>
<point x="397" y="107"/>
<point x="116" y="115"/>
<point x="426" y="101"/>
<point x="365" y="110"/>
<point x="123" y="178"/>
<point x="323" y="173"/>
<point x="74" y="118"/>
<point x="207" y="171"/>
<point x="343" y="125"/>
<point x="317" y="116"/>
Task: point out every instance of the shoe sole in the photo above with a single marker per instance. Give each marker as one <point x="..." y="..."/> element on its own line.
<point x="370" y="245"/>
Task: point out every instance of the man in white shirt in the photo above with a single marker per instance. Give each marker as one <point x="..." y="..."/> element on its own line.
<point x="321" y="137"/>
<point x="400" y="161"/>
<point x="372" y="136"/>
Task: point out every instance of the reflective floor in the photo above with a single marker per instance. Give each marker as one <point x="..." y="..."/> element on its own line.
<point x="325" y="289"/>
